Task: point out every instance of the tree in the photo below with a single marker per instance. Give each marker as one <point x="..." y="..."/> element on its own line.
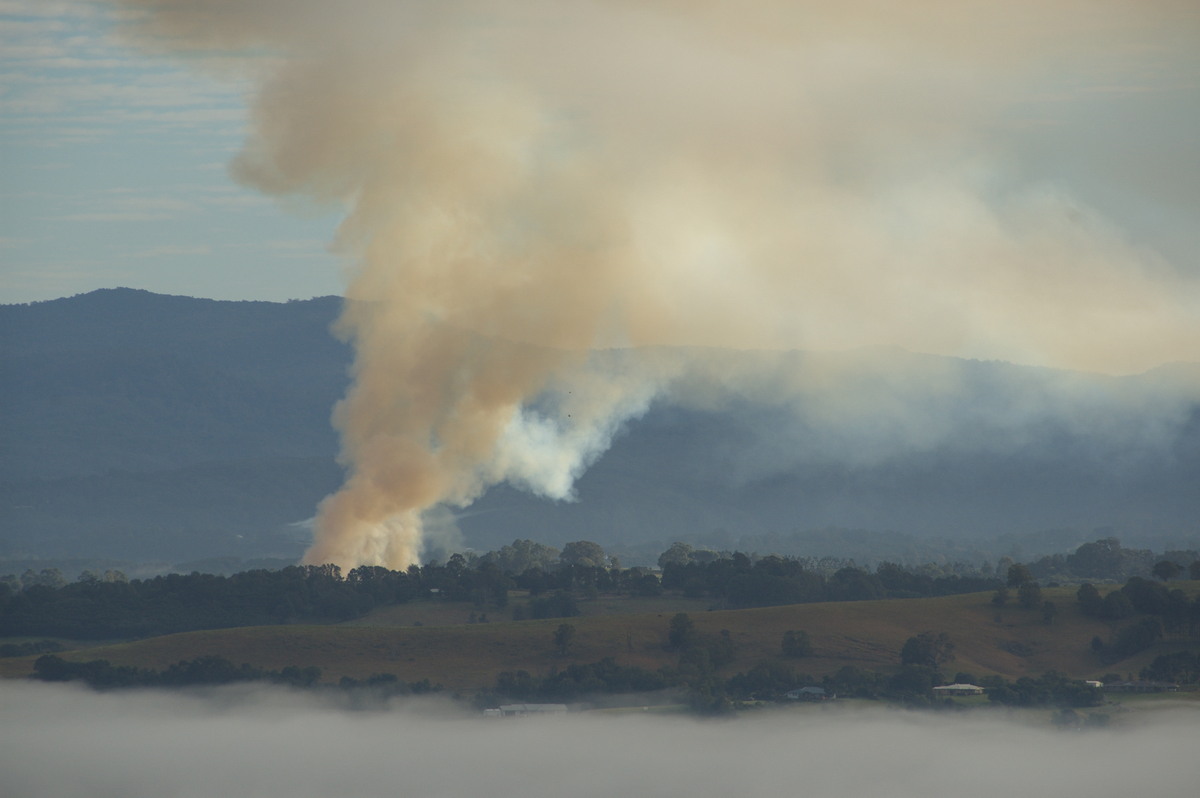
<point x="1178" y="666"/>
<point x="796" y="644"/>
<point x="50" y="668"/>
<point x="1018" y="574"/>
<point x="722" y="650"/>
<point x="1002" y="566"/>
<point x="927" y="648"/>
<point x="913" y="681"/>
<point x="767" y="679"/>
<point x="47" y="577"/>
<point x="584" y="553"/>
<point x="678" y="554"/>
<point x="681" y="634"/>
<point x="522" y="555"/>
<point x="1101" y="558"/>
<point x="564" y="635"/>
<point x="1137" y="637"/>
<point x="1000" y="597"/>
<point x="1166" y="570"/>
<point x="1146" y="596"/>
<point x="456" y="566"/>
<point x="1194" y="569"/>
<point x="1029" y="595"/>
<point x="1116" y="605"/>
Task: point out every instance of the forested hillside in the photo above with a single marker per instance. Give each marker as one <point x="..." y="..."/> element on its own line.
<point x="132" y="381"/>
<point x="161" y="428"/>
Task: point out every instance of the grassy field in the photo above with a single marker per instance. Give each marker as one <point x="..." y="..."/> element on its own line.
<point x="431" y="639"/>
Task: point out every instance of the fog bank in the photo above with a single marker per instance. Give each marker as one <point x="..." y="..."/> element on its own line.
<point x="65" y="742"/>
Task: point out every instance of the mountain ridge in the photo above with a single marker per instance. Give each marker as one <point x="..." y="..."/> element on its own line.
<point x="100" y="388"/>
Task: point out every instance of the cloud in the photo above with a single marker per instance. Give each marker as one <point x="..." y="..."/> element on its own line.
<point x="114" y="216"/>
<point x="65" y="742"/>
<point x="214" y="196"/>
<point x="301" y="248"/>
<point x="50" y="9"/>
<point x="82" y="63"/>
<point x="119" y="205"/>
<point x="61" y="61"/>
<point x="173" y="250"/>
<point x="23" y="27"/>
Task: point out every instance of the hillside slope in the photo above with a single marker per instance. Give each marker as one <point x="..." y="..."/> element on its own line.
<point x="865" y="634"/>
<point x="138" y="426"/>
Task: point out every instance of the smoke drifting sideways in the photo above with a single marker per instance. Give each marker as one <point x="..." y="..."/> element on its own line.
<point x="67" y="742"/>
<point x="528" y="184"/>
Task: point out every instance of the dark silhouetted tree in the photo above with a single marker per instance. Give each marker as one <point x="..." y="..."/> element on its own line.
<point x="583" y="553"/>
<point x="564" y="635"/>
<point x="678" y="554"/>
<point x="1166" y="570"/>
<point x="1018" y="574"/>
<point x="1136" y="637"/>
<point x="1116" y="606"/>
<point x="1100" y="560"/>
<point x="681" y="633"/>
<point x="928" y="648"/>
<point x="913" y="682"/>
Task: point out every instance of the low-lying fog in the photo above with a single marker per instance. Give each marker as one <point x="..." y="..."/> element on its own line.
<point x="62" y="741"/>
<point x="65" y="742"/>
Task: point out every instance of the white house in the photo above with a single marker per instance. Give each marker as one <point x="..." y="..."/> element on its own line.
<point x="958" y="689"/>
<point x="521" y="710"/>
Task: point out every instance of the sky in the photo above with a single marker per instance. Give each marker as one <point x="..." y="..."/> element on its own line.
<point x="113" y="172"/>
<point x="518" y="185"/>
<point x="113" y="161"/>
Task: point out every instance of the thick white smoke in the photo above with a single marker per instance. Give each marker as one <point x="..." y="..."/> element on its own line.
<point x="530" y="182"/>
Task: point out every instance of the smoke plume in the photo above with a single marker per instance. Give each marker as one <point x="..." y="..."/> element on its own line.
<point x="529" y="184"/>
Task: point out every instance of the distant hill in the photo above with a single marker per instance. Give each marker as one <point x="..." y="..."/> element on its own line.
<point x="130" y="380"/>
<point x="1037" y="499"/>
<point x="468" y="656"/>
<point x="148" y="427"/>
<point x="143" y="426"/>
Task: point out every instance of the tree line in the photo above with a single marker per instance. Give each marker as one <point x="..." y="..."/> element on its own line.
<point x="740" y="581"/>
<point x="1106" y="560"/>
<point x="95" y="609"/>
<point x="1162" y="611"/>
<point x="556" y="581"/>
<point x="111" y="606"/>
<point x="210" y="671"/>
